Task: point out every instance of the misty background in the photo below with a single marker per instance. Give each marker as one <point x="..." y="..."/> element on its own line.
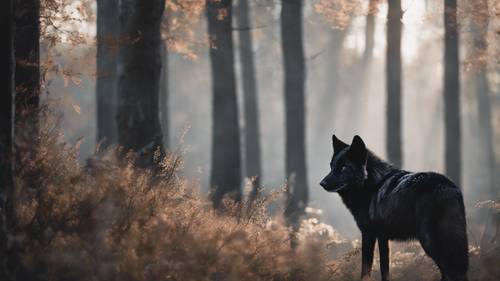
<point x="338" y="101"/>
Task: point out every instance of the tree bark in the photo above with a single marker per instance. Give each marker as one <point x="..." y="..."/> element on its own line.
<point x="251" y="109"/>
<point x="453" y="155"/>
<point x="393" y="68"/>
<point x="108" y="27"/>
<point x="6" y="134"/>
<point x="295" y="75"/>
<point x="164" y="97"/>
<point x="479" y="26"/>
<point x="27" y="74"/>
<point x="139" y="127"/>
<point x="370" y="32"/>
<point x="225" y="177"/>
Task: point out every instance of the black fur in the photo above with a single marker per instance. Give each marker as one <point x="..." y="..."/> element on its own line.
<point x="392" y="204"/>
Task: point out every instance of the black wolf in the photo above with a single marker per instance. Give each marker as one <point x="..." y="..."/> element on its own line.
<point x="393" y="204"/>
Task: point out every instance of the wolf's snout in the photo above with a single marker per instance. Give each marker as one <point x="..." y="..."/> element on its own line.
<point x="323" y="183"/>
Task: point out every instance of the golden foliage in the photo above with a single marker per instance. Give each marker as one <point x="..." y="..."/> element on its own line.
<point x="338" y="13"/>
<point x="179" y="28"/>
<point x="60" y="19"/>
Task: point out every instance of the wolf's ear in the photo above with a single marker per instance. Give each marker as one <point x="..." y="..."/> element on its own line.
<point x="357" y="151"/>
<point x="338" y="145"/>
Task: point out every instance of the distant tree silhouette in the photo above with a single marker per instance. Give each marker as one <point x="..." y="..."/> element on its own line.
<point x="164" y="97"/>
<point x="370" y="32"/>
<point x="295" y="75"/>
<point x="393" y="83"/>
<point x="225" y="177"/>
<point x="7" y="64"/>
<point x="326" y="102"/>
<point x="27" y="74"/>
<point x="108" y="28"/>
<point x="453" y="155"/>
<point x="479" y="26"/>
<point x="250" y="100"/>
<point x="139" y="78"/>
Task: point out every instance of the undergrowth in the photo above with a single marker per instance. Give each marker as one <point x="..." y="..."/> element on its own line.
<point x="108" y="220"/>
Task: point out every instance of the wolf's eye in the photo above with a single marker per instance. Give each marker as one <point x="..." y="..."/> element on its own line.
<point x="344" y="169"/>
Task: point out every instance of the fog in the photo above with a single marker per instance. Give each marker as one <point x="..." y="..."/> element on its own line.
<point x="338" y="101"/>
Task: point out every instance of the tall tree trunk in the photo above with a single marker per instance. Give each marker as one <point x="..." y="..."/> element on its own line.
<point x="252" y="136"/>
<point x="479" y="32"/>
<point x="225" y="177"/>
<point x="370" y="32"/>
<point x="27" y="74"/>
<point x="489" y="239"/>
<point x="6" y="134"/>
<point x="108" y="27"/>
<point x="139" y="79"/>
<point x="453" y="153"/>
<point x="326" y="102"/>
<point x="393" y="84"/>
<point x="164" y="94"/>
<point x="295" y="75"/>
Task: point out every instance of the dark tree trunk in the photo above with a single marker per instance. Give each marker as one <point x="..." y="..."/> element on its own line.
<point x="295" y="75"/>
<point x="393" y="84"/>
<point x="225" y="177"/>
<point x="452" y="93"/>
<point x="108" y="27"/>
<point x="139" y="79"/>
<point x="479" y="32"/>
<point x="370" y="32"/>
<point x="27" y="74"/>
<point x="164" y="94"/>
<point x="6" y="134"/>
<point x="252" y="136"/>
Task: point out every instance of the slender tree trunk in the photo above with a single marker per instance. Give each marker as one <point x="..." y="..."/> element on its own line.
<point x="393" y="84"/>
<point x="27" y="74"/>
<point x="252" y="136"/>
<point x="453" y="153"/>
<point x="479" y="32"/>
<point x="108" y="27"/>
<point x="139" y="79"/>
<point x="295" y="75"/>
<point x="370" y="32"/>
<point x="225" y="177"/>
<point x="164" y="94"/>
<point x="359" y="91"/>
<point x="326" y="102"/>
<point x="6" y="134"/>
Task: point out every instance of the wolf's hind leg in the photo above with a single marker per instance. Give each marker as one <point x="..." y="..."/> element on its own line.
<point x="430" y="247"/>
<point x="449" y="262"/>
<point x="443" y="236"/>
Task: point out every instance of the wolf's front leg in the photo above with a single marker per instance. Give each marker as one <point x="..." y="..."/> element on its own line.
<point x="367" y="247"/>
<point x="383" y="249"/>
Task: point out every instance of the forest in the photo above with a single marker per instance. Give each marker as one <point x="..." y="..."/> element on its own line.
<point x="187" y="139"/>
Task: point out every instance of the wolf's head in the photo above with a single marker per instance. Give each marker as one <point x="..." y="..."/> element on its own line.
<point x="348" y="165"/>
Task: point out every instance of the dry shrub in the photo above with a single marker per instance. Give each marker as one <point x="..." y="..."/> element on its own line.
<point x="108" y="220"/>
